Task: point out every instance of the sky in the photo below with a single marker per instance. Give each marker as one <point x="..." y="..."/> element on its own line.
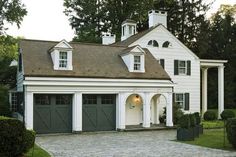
<point x="46" y="21"/>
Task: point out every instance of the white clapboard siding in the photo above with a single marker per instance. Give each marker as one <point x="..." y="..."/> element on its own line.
<point x="184" y="84"/>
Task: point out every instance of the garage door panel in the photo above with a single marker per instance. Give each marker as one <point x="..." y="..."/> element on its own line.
<point x="42" y="120"/>
<point x="52" y="113"/>
<point x="89" y="118"/>
<point x="98" y="112"/>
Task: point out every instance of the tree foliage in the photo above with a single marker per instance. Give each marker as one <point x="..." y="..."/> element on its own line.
<point x="11" y="11"/>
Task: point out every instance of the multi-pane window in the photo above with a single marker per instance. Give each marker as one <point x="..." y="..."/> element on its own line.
<point x="179" y="99"/>
<point x="14" y="102"/>
<point x="63" y="99"/>
<point x="89" y="99"/>
<point x="63" y="59"/>
<point x="153" y="43"/>
<point x="137" y="63"/>
<point x="42" y="99"/>
<point x="182" y="67"/>
<point x="107" y="99"/>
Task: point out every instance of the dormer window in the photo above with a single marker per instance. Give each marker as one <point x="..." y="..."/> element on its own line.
<point x="134" y="58"/>
<point x="61" y="55"/>
<point x="63" y="59"/>
<point x="137" y="63"/>
<point x="153" y="43"/>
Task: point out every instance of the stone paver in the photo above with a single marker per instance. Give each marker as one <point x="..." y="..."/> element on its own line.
<point x="125" y="144"/>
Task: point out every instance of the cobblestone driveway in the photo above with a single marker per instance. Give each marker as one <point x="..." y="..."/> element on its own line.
<point x="124" y="144"/>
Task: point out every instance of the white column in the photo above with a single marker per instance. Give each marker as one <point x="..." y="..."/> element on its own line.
<point x="29" y="110"/>
<point x="146" y="110"/>
<point x="220" y="90"/>
<point x="169" y="108"/>
<point x="120" y="111"/>
<point x="77" y="112"/>
<point x="204" y="90"/>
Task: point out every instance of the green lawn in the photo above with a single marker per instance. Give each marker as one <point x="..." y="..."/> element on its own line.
<point x="213" y="124"/>
<point x="38" y="152"/>
<point x="212" y="138"/>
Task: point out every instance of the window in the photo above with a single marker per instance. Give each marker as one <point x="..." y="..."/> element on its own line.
<point x="182" y="67"/>
<point x="107" y="99"/>
<point x="63" y="99"/>
<point x="162" y="63"/>
<point x="179" y="99"/>
<point x="42" y="99"/>
<point x="89" y="99"/>
<point x="137" y="63"/>
<point x="13" y="102"/>
<point x="153" y="43"/>
<point x="63" y="60"/>
<point x="166" y="44"/>
<point x="182" y="99"/>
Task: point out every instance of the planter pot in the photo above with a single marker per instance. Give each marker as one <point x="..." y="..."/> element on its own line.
<point x="185" y="134"/>
<point x="196" y="131"/>
<point x="200" y="128"/>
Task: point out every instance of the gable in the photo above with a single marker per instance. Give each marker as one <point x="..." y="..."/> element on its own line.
<point x="161" y="34"/>
<point x="63" y="44"/>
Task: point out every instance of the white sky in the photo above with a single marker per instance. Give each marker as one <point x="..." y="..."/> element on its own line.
<point x="46" y="21"/>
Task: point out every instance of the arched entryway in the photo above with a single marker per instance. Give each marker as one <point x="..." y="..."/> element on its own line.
<point x="157" y="105"/>
<point x="134" y="110"/>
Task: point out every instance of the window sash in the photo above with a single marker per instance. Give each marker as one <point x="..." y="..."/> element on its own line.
<point x="137" y="63"/>
<point x="63" y="59"/>
<point x="182" y="67"/>
<point x="180" y="99"/>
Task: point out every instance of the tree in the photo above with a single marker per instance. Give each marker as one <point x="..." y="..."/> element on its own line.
<point x="11" y="11"/>
<point x="186" y="18"/>
<point x="90" y="18"/>
<point x="222" y="45"/>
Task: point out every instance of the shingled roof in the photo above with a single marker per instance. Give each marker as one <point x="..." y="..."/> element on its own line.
<point x="135" y="37"/>
<point x="89" y="61"/>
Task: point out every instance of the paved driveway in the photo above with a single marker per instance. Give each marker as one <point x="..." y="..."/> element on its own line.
<point x="124" y="144"/>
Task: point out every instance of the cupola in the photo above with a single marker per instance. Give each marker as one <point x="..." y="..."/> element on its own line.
<point x="129" y="28"/>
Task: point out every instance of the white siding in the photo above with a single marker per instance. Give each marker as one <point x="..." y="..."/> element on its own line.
<point x="184" y="84"/>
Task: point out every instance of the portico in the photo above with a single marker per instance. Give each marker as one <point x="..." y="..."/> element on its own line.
<point x="205" y="65"/>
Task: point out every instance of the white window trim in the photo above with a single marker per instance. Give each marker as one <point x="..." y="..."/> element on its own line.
<point x="180" y="101"/>
<point x="179" y="67"/>
<point x="137" y="63"/>
<point x="60" y="59"/>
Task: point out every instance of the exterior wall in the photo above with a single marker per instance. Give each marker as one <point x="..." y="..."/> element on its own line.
<point x="122" y="94"/>
<point x="184" y="84"/>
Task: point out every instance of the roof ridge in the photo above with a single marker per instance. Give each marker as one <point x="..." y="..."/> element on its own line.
<point x="73" y="42"/>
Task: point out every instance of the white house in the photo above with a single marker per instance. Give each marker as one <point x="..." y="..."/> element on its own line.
<point x="73" y="87"/>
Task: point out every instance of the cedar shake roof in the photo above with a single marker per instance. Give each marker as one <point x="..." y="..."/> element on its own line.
<point x="89" y="61"/>
<point x="135" y="37"/>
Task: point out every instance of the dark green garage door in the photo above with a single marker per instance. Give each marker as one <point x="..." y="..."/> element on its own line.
<point x="52" y="113"/>
<point x="99" y="112"/>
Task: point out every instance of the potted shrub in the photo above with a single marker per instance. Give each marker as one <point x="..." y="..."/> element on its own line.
<point x="184" y="131"/>
<point x="198" y="123"/>
<point x="209" y="116"/>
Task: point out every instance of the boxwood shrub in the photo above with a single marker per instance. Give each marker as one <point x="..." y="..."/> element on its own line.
<point x="184" y="122"/>
<point x="192" y="120"/>
<point x="14" y="138"/>
<point x="231" y="131"/>
<point x="209" y="116"/>
<point x="198" y="118"/>
<point x="226" y="114"/>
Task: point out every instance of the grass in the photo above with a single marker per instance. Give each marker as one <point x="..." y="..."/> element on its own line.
<point x="38" y="152"/>
<point x="212" y="138"/>
<point x="216" y="124"/>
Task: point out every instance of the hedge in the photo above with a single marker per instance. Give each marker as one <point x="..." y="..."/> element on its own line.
<point x="226" y="114"/>
<point x="184" y="122"/>
<point x="14" y="138"/>
<point x="192" y="120"/>
<point x="231" y="131"/>
<point x="209" y="116"/>
<point x="198" y="118"/>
